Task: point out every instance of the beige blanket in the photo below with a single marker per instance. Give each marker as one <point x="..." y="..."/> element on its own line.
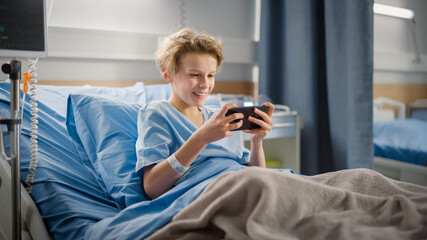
<point x="259" y="203"/>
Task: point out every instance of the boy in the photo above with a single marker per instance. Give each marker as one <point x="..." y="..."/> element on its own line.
<point x="174" y="134"/>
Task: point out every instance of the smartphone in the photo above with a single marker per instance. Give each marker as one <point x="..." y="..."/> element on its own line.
<point x="247" y="111"/>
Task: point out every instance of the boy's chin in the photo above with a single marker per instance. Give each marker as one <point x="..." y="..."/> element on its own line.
<point x="200" y="104"/>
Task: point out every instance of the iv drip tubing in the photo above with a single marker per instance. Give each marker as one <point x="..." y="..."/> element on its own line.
<point x="34" y="127"/>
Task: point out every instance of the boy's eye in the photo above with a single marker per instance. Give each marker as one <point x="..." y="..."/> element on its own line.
<point x="194" y="74"/>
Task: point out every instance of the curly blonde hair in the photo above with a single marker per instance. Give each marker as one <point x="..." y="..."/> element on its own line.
<point x="185" y="41"/>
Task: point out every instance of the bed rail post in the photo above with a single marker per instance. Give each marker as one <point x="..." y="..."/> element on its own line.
<point x="13" y="69"/>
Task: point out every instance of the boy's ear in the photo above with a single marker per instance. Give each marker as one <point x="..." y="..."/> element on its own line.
<point x="166" y="76"/>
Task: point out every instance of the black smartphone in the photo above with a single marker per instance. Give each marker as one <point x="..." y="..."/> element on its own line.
<point x="247" y="111"/>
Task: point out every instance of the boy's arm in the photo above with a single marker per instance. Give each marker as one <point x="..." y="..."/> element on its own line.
<point x="161" y="177"/>
<point x="257" y="157"/>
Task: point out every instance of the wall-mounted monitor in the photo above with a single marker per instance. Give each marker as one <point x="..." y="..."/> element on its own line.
<point x="23" y="28"/>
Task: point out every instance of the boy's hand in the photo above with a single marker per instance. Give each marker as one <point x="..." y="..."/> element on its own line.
<point x="220" y="126"/>
<point x="258" y="134"/>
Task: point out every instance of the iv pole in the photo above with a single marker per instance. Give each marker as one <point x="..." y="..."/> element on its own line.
<point x="13" y="69"/>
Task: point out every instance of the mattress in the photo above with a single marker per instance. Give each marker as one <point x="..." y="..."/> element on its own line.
<point x="401" y="139"/>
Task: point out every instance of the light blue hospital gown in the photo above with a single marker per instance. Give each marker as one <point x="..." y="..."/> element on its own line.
<point x="162" y="130"/>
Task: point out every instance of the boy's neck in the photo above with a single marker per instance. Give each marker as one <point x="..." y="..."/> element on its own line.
<point x="194" y="114"/>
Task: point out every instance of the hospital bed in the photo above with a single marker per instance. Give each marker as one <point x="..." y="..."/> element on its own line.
<point x="85" y="184"/>
<point x="64" y="170"/>
<point x="400" y="140"/>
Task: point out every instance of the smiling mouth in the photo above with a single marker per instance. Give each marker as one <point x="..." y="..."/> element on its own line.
<point x="200" y="94"/>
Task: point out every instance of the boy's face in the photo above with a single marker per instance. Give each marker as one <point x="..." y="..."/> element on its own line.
<point x="194" y="80"/>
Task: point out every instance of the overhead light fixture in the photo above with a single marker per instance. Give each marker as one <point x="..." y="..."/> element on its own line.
<point x="401" y="13"/>
<point x="393" y="11"/>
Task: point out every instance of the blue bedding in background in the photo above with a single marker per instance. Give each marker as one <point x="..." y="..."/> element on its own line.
<point x="402" y="139"/>
<point x="420" y="114"/>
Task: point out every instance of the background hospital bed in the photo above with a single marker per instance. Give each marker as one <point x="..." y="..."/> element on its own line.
<point x="400" y="120"/>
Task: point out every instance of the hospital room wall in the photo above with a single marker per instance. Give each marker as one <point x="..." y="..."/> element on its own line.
<point x="397" y="74"/>
<point x="115" y="40"/>
<point x="394" y="49"/>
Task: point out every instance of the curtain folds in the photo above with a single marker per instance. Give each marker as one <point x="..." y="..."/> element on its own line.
<point x="316" y="56"/>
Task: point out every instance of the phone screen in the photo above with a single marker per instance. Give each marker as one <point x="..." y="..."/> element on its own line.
<point x="247" y="111"/>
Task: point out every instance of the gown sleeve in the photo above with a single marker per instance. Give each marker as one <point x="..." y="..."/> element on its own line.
<point x="154" y="138"/>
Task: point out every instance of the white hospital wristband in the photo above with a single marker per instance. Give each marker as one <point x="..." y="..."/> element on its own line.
<point x="177" y="166"/>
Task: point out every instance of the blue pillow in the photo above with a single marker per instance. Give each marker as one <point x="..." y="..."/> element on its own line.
<point x="106" y="131"/>
<point x="158" y="92"/>
<point x="51" y="94"/>
<point x="53" y="101"/>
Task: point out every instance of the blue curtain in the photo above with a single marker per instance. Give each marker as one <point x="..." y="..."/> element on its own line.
<point x="316" y="56"/>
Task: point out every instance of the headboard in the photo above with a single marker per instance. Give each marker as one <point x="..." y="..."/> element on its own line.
<point x="403" y="92"/>
<point x="406" y="93"/>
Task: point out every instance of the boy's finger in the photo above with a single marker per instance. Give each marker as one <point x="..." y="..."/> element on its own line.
<point x="225" y="108"/>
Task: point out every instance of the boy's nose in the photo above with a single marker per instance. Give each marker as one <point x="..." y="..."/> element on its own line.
<point x="203" y="81"/>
